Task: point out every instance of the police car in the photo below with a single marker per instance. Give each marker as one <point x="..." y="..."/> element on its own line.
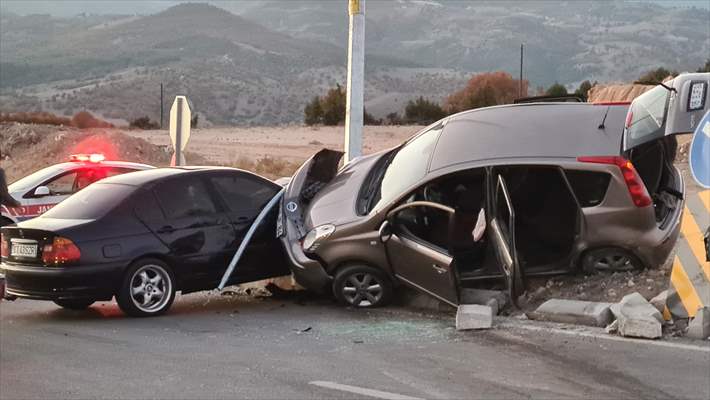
<point x="47" y="187"/>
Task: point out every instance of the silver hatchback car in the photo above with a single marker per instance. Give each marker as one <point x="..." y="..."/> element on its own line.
<point x="500" y="192"/>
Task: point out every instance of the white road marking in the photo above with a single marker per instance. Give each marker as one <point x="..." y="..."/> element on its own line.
<point x="363" y="391"/>
<point x="605" y="336"/>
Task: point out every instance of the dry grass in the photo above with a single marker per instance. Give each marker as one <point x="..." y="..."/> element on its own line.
<point x="272" y="168"/>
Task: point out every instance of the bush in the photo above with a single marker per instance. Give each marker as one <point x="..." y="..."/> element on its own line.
<point x="330" y="109"/>
<point x="143" y="123"/>
<point x="583" y="89"/>
<point x="423" y="112"/>
<point x="84" y="120"/>
<point x="42" y="118"/>
<point x="333" y="105"/>
<point x="656" y="75"/>
<point x="313" y="113"/>
<point x="484" y="90"/>
<point x="557" y="90"/>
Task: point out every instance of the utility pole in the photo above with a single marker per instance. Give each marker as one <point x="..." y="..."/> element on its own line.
<point x="520" y="83"/>
<point x="355" y="106"/>
<point x="161" y="105"/>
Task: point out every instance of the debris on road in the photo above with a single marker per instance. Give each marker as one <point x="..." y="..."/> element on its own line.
<point x="636" y="317"/>
<point x="660" y="301"/>
<point x="473" y="316"/>
<point x="495" y="299"/>
<point x="699" y="327"/>
<point x="574" y="312"/>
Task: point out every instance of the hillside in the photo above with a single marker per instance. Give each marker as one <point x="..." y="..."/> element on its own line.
<point x="261" y="63"/>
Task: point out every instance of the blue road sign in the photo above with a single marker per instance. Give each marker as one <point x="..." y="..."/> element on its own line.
<point x="699" y="157"/>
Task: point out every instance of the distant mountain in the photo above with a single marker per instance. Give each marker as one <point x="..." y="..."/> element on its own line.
<point x="262" y="62"/>
<point x="566" y="41"/>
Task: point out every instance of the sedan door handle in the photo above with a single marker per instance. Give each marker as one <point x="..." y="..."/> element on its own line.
<point x="439" y="269"/>
<point x="166" y="229"/>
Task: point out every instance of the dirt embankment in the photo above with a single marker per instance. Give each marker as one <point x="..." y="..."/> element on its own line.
<point x="25" y="148"/>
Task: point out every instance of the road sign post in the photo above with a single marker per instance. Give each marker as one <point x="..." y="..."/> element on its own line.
<point x="179" y="128"/>
<point x="356" y="81"/>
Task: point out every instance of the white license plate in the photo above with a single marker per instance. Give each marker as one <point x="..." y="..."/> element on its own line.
<point x="23" y="250"/>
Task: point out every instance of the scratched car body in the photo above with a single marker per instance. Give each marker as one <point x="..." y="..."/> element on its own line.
<point x="43" y="189"/>
<point x="562" y="186"/>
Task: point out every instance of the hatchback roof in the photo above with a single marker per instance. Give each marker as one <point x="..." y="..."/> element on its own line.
<point x="537" y="130"/>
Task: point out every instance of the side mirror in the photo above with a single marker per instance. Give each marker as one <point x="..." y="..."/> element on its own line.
<point x="41" y="191"/>
<point x="385" y="231"/>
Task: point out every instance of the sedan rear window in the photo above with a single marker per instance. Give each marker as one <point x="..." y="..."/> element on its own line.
<point x="91" y="203"/>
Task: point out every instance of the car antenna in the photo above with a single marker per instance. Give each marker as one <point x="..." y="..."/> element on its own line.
<point x="602" y="126"/>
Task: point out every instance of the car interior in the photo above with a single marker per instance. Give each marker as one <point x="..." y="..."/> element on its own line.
<point x="654" y="163"/>
<point x="546" y="221"/>
<point x="546" y="216"/>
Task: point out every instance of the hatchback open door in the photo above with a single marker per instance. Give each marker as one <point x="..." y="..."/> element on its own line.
<point x="502" y="229"/>
<point x="672" y="108"/>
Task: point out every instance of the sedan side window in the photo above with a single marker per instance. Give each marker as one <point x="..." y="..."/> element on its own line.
<point x="243" y="192"/>
<point x="181" y="198"/>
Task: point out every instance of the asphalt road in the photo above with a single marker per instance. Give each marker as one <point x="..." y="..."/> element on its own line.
<point x="212" y="346"/>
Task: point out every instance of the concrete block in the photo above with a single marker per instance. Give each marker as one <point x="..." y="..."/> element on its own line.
<point x="699" y="327"/>
<point x="637" y="317"/>
<point x="574" y="312"/>
<point x="492" y="298"/>
<point x="474" y="316"/>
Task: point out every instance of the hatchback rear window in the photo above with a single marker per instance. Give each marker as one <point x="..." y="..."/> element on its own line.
<point x="91" y="203"/>
<point x="590" y="187"/>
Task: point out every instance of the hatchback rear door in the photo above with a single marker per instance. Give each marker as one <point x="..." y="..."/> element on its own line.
<point x="676" y="107"/>
<point x="502" y="231"/>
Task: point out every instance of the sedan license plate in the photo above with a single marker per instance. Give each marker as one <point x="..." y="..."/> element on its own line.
<point x="24" y="250"/>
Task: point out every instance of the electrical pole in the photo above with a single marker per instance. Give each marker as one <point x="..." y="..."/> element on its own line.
<point x="161" y="105"/>
<point x="355" y="107"/>
<point x="520" y="83"/>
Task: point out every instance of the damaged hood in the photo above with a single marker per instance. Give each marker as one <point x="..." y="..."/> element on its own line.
<point x="319" y="193"/>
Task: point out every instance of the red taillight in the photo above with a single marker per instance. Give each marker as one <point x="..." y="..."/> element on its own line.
<point x="4" y="248"/>
<point x="637" y="189"/>
<point x="61" y="251"/>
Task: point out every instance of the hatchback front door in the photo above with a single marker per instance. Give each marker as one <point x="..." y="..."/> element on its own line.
<point x="414" y="236"/>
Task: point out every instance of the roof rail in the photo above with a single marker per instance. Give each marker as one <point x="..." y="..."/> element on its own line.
<point x="549" y="99"/>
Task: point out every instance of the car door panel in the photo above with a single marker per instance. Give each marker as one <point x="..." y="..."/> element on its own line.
<point x="244" y="195"/>
<point x="419" y="264"/>
<point x="502" y="228"/>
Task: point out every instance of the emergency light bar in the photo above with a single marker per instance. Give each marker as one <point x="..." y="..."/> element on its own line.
<point x="94" y="158"/>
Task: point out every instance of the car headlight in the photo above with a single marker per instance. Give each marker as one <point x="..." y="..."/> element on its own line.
<point x="312" y="239"/>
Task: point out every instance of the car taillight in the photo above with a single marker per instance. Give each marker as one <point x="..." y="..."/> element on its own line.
<point x="4" y="248"/>
<point x="61" y="251"/>
<point x="629" y="117"/>
<point x="637" y="189"/>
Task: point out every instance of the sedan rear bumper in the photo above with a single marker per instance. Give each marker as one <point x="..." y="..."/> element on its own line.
<point x="47" y="283"/>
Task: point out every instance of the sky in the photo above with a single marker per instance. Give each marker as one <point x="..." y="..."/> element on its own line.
<point x="68" y="8"/>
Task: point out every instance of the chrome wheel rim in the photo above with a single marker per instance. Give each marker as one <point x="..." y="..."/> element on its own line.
<point x="614" y="262"/>
<point x="362" y="289"/>
<point x="150" y="288"/>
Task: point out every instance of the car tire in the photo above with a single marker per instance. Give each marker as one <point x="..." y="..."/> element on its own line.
<point x="610" y="259"/>
<point x="147" y="290"/>
<point x="77" y="305"/>
<point x="362" y="286"/>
